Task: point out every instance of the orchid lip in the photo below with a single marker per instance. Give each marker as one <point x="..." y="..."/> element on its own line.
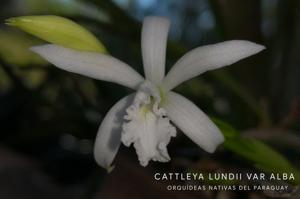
<point x="147" y="126"/>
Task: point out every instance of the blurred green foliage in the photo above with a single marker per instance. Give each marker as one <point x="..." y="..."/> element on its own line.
<point x="255" y="151"/>
<point x="15" y="49"/>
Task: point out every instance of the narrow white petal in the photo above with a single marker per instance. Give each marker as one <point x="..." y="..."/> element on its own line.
<point x="109" y="134"/>
<point x="91" y="64"/>
<point x="207" y="58"/>
<point x="193" y="122"/>
<point x="154" y="41"/>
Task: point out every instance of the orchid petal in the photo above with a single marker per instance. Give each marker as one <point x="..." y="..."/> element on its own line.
<point x="207" y="58"/>
<point x="108" y="138"/>
<point x="91" y="64"/>
<point x="154" y="41"/>
<point x="193" y="122"/>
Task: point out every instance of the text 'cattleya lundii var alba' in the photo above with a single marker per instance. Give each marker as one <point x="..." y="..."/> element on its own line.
<point x="143" y="118"/>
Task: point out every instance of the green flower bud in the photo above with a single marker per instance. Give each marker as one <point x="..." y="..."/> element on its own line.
<point x="58" y="30"/>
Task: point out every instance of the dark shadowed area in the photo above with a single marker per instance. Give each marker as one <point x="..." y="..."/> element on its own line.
<point x="49" y="117"/>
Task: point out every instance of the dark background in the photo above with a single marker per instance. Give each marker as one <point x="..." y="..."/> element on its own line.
<point x="49" y="117"/>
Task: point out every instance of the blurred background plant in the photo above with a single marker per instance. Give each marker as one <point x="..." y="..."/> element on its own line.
<point x="49" y="117"/>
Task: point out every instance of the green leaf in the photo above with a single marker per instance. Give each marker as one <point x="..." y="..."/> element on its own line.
<point x="227" y="130"/>
<point x="262" y="156"/>
<point x="255" y="151"/>
<point x="58" y="30"/>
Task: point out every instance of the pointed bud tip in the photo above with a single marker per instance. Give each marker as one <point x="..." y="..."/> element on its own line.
<point x="10" y="21"/>
<point x="15" y="21"/>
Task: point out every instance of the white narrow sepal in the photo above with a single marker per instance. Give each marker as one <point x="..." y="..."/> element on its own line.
<point x="193" y="122"/>
<point x="154" y="40"/>
<point x="108" y="138"/>
<point x="91" y="64"/>
<point x="202" y="59"/>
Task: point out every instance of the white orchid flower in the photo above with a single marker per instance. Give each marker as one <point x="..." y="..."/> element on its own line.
<point x="143" y="118"/>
